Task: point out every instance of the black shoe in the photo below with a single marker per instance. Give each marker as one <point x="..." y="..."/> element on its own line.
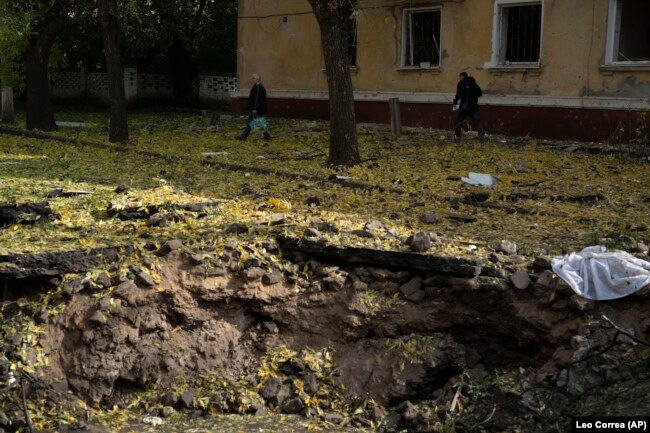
<point x="267" y="136"/>
<point x="456" y="139"/>
<point x="240" y="138"/>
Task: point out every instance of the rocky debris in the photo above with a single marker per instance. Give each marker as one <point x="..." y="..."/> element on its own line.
<point x="186" y="399"/>
<point x="146" y="279"/>
<point x="508" y="247"/>
<point x="363" y="233"/>
<point x="373" y="226"/>
<point x="293" y="405"/>
<point x="429" y="218"/>
<point x="520" y="279"/>
<point x="581" y="304"/>
<point x="272" y="277"/>
<point x="168" y="247"/>
<point x="413" y="286"/>
<point x="541" y="264"/>
<point x="547" y="279"/>
<point x="313" y="201"/>
<point x="237" y="228"/>
<point x="419" y="242"/>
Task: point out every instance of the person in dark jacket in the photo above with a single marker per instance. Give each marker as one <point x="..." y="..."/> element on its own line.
<point x="466" y="102"/>
<point x="256" y="108"/>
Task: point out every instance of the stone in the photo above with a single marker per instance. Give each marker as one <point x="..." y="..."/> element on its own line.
<point x="416" y="297"/>
<point x="541" y="264"/>
<point x="272" y="277"/>
<point x="311" y="232"/>
<point x="520" y="279"/>
<point x="333" y="282"/>
<point x="560" y="305"/>
<point x="332" y="417"/>
<point x="463" y="284"/>
<point x="546" y="279"/>
<point x="579" y="303"/>
<point x="373" y="226"/>
<point x="293" y="406"/>
<point x="401" y="276"/>
<point x="419" y="242"/>
<point x="166" y="411"/>
<point x="311" y="383"/>
<point x="146" y="279"/>
<point x="237" y="228"/>
<point x="363" y="233"/>
<point x="254" y="274"/>
<point x="168" y="247"/>
<point x="359" y="286"/>
<point x="508" y="248"/>
<point x="276" y="219"/>
<point x="103" y="280"/>
<point x="98" y="317"/>
<point x="412" y="286"/>
<point x="428" y="218"/>
<point x="74" y="286"/>
<point x="378" y="413"/>
<point x="169" y="399"/>
<point x="641" y="248"/>
<point x="43" y="315"/>
<point x="186" y="399"/>
<point x="125" y="290"/>
<point x="275" y="392"/>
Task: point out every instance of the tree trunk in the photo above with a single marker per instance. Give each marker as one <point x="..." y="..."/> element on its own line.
<point x="332" y="17"/>
<point x="7" y="104"/>
<point x="107" y="12"/>
<point x="39" y="109"/>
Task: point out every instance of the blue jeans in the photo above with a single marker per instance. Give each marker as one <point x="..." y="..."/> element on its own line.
<point x="476" y="121"/>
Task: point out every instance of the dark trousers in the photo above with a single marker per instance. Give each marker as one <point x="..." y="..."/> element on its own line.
<point x="247" y="130"/>
<point x="476" y="121"/>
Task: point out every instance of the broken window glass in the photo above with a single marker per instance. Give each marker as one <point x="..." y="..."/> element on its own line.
<point x="352" y="41"/>
<point x="632" y="31"/>
<point x="521" y="34"/>
<point x="421" y="38"/>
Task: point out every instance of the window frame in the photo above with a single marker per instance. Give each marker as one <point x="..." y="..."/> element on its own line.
<point x="611" y="45"/>
<point x="406" y="13"/>
<point x="498" y="38"/>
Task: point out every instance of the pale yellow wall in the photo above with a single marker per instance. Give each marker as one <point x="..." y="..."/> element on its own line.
<point x="573" y="49"/>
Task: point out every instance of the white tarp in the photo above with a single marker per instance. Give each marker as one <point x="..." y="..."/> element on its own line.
<point x="596" y="274"/>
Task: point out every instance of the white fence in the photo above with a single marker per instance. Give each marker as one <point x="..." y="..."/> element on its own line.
<point x="82" y="85"/>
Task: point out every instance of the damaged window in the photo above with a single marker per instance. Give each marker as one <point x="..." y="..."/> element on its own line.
<point x="629" y="31"/>
<point x="520" y="34"/>
<point x="421" y="37"/>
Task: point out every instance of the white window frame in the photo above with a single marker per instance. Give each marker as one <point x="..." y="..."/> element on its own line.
<point x="406" y="14"/>
<point x="497" y="38"/>
<point x="613" y="34"/>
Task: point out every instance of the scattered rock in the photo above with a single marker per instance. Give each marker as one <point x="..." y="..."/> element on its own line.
<point x="561" y="304"/>
<point x="333" y="417"/>
<point x="166" y="411"/>
<point x="428" y="218"/>
<point x="311" y="384"/>
<point x="275" y="392"/>
<point x="334" y="282"/>
<point x="186" y="399"/>
<point x="273" y="277"/>
<point x="462" y="218"/>
<point x="419" y="242"/>
<point x="237" y="228"/>
<point x="293" y="406"/>
<point x="254" y="273"/>
<point x="121" y="189"/>
<point x="508" y="247"/>
<point x="520" y="279"/>
<point x="546" y="279"/>
<point x="146" y="279"/>
<point x="541" y="264"/>
<point x="412" y="286"/>
<point x="373" y="226"/>
<point x="362" y="233"/>
<point x="103" y="280"/>
<point x="98" y="317"/>
<point x="168" y="247"/>
<point x="276" y="219"/>
<point x="416" y="297"/>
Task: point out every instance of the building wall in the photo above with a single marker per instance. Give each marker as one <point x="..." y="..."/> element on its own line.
<point x="280" y="40"/>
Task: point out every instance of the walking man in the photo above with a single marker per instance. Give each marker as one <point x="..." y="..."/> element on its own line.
<point x="256" y="108"/>
<point x="466" y="102"/>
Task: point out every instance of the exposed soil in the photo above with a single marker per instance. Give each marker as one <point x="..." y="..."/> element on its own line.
<point x="396" y="335"/>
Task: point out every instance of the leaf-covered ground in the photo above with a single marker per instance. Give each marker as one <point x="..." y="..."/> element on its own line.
<point x="408" y="183"/>
<point x="551" y="199"/>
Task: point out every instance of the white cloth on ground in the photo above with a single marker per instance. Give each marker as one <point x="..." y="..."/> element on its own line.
<point x="596" y="274"/>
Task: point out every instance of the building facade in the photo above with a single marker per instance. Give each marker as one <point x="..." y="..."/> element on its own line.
<point x="548" y="68"/>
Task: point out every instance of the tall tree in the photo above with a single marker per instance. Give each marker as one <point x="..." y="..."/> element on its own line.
<point x="108" y="14"/>
<point x="39" y="110"/>
<point x="333" y="17"/>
